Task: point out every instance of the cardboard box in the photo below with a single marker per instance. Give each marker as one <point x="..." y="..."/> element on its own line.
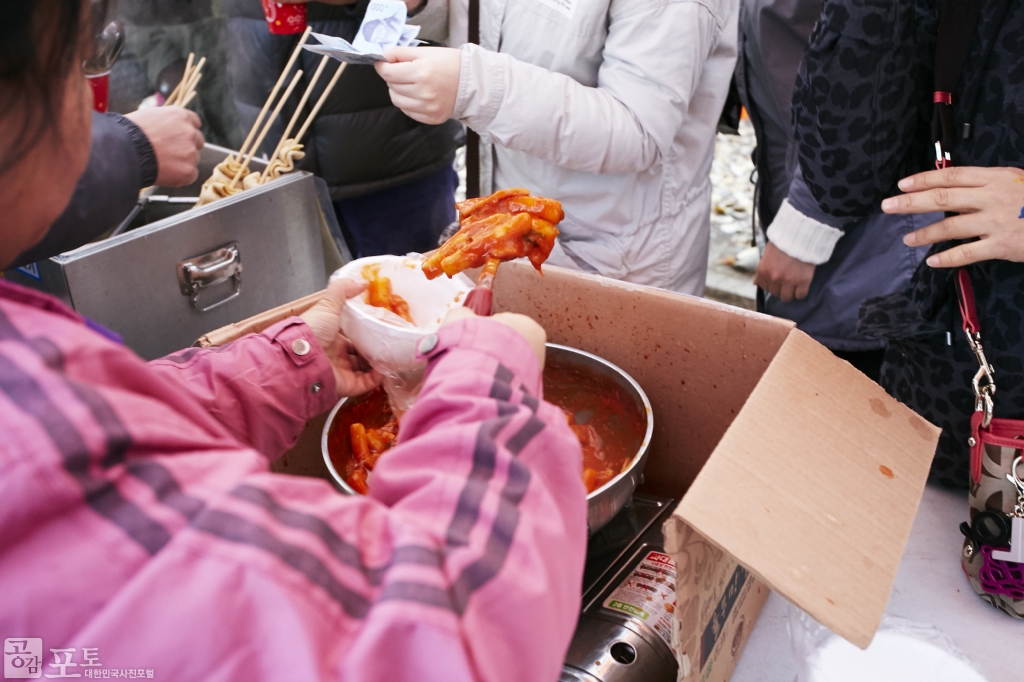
<point x="795" y="471"/>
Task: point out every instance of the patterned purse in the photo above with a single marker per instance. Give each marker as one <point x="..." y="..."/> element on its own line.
<point x="993" y="550"/>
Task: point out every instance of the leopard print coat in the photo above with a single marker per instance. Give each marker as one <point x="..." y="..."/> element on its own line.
<point x="862" y="113"/>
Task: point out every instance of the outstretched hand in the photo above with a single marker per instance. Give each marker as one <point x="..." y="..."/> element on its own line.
<point x="352" y="374"/>
<point x="423" y="81"/>
<point x="990" y="202"/>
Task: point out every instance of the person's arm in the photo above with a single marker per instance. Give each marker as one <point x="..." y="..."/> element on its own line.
<point x="264" y="387"/>
<point x="855" y="104"/>
<point x="654" y="55"/>
<point x="801" y="237"/>
<point x="121" y="162"/>
<point x="464" y="563"/>
<point x="490" y="475"/>
<point x="802" y="228"/>
<point x="129" y="153"/>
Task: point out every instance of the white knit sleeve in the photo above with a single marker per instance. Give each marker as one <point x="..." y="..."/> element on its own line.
<point x="801" y="237"/>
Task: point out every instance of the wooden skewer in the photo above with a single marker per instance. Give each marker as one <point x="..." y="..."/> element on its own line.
<point x="295" y="116"/>
<point x="273" y="93"/>
<point x="320" y="102"/>
<point x="266" y="128"/>
<point x="193" y="80"/>
<point x="179" y="94"/>
<point x="184" y="76"/>
<point x="185" y="91"/>
<point x="189" y="94"/>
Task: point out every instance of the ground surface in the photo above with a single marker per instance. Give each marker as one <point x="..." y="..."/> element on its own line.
<point x="732" y="201"/>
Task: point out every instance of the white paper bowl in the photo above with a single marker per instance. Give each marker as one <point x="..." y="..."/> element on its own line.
<point x="388" y="347"/>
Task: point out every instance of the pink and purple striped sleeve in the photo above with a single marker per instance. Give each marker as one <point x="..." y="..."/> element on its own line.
<point x="464" y="563"/>
<point x="491" y="475"/>
<point x="134" y="523"/>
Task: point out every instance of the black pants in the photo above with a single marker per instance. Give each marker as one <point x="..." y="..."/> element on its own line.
<point x="867" y="361"/>
<point x="400" y="220"/>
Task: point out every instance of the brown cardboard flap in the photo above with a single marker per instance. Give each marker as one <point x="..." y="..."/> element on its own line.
<point x="815" y="486"/>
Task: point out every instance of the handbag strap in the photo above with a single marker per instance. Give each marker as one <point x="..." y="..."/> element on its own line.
<point x="984" y="383"/>
<point x="968" y="309"/>
<point x="957" y="23"/>
<point x="472" y="138"/>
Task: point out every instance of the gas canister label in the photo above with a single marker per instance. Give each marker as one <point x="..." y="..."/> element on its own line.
<point x="649" y="594"/>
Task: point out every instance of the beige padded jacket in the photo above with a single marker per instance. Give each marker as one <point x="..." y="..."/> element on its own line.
<point x="609" y="106"/>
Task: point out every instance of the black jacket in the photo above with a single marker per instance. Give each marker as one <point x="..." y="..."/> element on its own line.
<point x="773" y="37"/>
<point x="863" y="121"/>
<point x="359" y="142"/>
<point x="121" y="163"/>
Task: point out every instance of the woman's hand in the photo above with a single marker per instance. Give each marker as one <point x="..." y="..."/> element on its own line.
<point x="174" y="134"/>
<point x="352" y="374"/>
<point x="783" y="276"/>
<point x="991" y="204"/>
<point x="423" y="81"/>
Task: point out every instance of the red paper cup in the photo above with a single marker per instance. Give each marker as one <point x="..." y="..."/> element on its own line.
<point x="100" y="91"/>
<point x="284" y="18"/>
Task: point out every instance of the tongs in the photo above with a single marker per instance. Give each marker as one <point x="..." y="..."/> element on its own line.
<point x="481" y="298"/>
<point x="147" y="197"/>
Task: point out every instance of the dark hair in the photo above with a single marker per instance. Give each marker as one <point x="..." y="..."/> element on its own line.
<point x="40" y="44"/>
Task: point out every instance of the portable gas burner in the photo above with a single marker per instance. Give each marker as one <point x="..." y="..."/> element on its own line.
<point x="629" y="592"/>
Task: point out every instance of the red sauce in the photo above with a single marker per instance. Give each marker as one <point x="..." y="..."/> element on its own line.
<point x="373" y="412"/>
<point x="602" y="414"/>
<point x="508" y="224"/>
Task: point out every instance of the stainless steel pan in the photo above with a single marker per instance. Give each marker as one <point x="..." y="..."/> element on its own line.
<point x="605" y="502"/>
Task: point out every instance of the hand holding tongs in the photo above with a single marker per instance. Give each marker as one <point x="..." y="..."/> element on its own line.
<point x="481" y="298"/>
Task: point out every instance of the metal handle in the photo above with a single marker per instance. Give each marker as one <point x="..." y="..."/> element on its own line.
<point x="208" y="270"/>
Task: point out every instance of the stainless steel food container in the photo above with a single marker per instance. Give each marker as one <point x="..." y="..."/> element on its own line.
<point x="605" y="502"/>
<point x="180" y="272"/>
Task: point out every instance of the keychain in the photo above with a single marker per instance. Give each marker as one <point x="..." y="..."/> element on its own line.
<point x="1002" y="570"/>
<point x="1016" y="551"/>
<point x="988" y="528"/>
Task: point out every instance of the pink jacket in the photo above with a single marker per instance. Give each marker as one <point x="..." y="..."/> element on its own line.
<point x="140" y="527"/>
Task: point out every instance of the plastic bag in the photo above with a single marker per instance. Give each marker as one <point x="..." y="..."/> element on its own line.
<point x="389" y="342"/>
<point x="901" y="650"/>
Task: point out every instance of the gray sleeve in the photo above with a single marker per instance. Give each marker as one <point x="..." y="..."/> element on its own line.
<point x="856" y="104"/>
<point x="121" y="163"/>
<point x="801" y="229"/>
<point x="802" y="199"/>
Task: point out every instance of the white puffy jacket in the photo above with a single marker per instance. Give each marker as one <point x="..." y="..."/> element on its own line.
<point x="609" y="106"/>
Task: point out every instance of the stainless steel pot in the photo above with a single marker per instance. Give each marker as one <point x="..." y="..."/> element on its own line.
<point x="605" y="502"/>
